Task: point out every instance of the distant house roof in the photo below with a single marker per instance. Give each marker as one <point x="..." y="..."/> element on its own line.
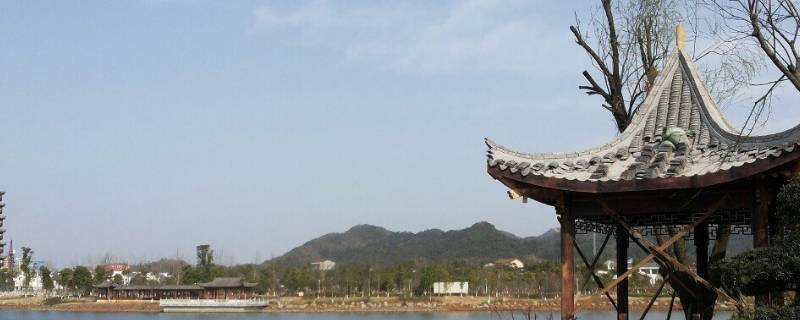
<point x="115" y="267"/>
<point x="505" y="262"/>
<point x="104" y="285"/>
<point x="323" y="264"/>
<point x="113" y="286"/>
<point x="180" y="287"/>
<point x="134" y="287"/>
<point x="229" y="282"/>
<point x="216" y="283"/>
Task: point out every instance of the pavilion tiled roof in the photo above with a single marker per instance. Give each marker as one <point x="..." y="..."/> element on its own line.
<point x="677" y="103"/>
<point x="104" y="285"/>
<point x="180" y="287"/>
<point x="230" y="282"/>
<point x="134" y="287"/>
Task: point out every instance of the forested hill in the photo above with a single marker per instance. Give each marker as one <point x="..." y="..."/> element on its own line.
<point x="480" y="243"/>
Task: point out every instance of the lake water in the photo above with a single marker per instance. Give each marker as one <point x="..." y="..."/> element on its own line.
<point x="52" y="315"/>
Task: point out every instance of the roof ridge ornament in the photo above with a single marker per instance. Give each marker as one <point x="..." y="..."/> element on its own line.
<point x="679" y="36"/>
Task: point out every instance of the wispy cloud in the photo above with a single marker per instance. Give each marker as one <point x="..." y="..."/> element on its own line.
<point x="471" y="36"/>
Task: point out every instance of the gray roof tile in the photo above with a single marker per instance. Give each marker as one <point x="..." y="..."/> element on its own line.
<point x="677" y="99"/>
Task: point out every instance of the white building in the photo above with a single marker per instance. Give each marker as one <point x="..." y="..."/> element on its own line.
<point x="513" y="263"/>
<point x="611" y="265"/>
<point x="126" y="278"/>
<point x="651" y="271"/>
<point x="459" y="288"/>
<point x="157" y="277"/>
<point x="323" y="265"/>
<point x="35" y="283"/>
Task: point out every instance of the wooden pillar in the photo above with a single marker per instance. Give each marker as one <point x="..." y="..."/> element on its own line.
<point x="622" y="267"/>
<point x="761" y="229"/>
<point x="701" y="243"/>
<point x="567" y="261"/>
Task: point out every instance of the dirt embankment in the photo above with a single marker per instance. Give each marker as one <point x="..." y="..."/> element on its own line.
<point x="445" y="304"/>
<point x="391" y="304"/>
<point x="77" y="304"/>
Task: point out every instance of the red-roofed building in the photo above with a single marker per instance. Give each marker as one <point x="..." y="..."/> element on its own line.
<point x="116" y="267"/>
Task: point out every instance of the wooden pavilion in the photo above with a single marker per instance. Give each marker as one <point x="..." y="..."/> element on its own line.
<point x="216" y="289"/>
<point x="227" y="288"/>
<point x="679" y="164"/>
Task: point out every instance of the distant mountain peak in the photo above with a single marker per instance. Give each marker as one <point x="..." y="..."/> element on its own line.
<point x="483" y="225"/>
<point x="366" y="228"/>
<point x="551" y="231"/>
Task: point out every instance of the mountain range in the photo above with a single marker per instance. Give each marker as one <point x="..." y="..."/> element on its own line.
<point x="480" y="243"/>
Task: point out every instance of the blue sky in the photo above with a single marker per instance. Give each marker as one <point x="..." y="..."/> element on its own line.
<point x="142" y="128"/>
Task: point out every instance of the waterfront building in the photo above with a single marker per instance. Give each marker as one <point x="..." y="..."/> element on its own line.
<point x="218" y="288"/>
<point x="451" y="288"/>
<point x="679" y="164"/>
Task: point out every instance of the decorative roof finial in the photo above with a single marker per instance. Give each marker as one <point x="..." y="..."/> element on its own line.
<point x="679" y="34"/>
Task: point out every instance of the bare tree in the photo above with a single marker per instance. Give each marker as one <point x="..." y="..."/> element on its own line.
<point x="627" y="43"/>
<point x="776" y="25"/>
<point x="630" y="40"/>
<point x="772" y="26"/>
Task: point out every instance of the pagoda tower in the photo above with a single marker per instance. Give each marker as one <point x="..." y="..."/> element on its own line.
<point x="2" y="230"/>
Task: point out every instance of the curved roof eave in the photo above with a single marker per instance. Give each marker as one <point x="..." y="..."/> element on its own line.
<point x="681" y="182"/>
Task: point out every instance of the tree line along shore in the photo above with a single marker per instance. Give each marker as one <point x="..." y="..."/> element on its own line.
<point x="406" y="280"/>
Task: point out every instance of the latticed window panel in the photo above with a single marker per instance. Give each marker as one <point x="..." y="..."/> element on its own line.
<point x="738" y="220"/>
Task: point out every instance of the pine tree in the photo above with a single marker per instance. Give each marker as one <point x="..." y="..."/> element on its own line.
<point x="27" y="255"/>
<point x="47" y="279"/>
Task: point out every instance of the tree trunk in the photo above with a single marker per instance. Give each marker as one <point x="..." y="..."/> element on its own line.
<point x="694" y="297"/>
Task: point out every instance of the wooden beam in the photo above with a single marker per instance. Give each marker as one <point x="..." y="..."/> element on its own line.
<point x="622" y="267"/>
<point x="761" y="229"/>
<point x="593" y="275"/>
<point x="595" y="260"/>
<point x="663" y="264"/>
<point x="679" y="235"/>
<point x="647" y="203"/>
<point x="701" y="244"/>
<point x="671" y="304"/>
<point x="655" y="296"/>
<point x="567" y="260"/>
<point x="657" y="250"/>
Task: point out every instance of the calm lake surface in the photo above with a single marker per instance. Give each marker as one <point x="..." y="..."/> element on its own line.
<point x="51" y="315"/>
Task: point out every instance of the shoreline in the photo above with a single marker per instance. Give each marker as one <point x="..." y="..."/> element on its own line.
<point x="353" y="305"/>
